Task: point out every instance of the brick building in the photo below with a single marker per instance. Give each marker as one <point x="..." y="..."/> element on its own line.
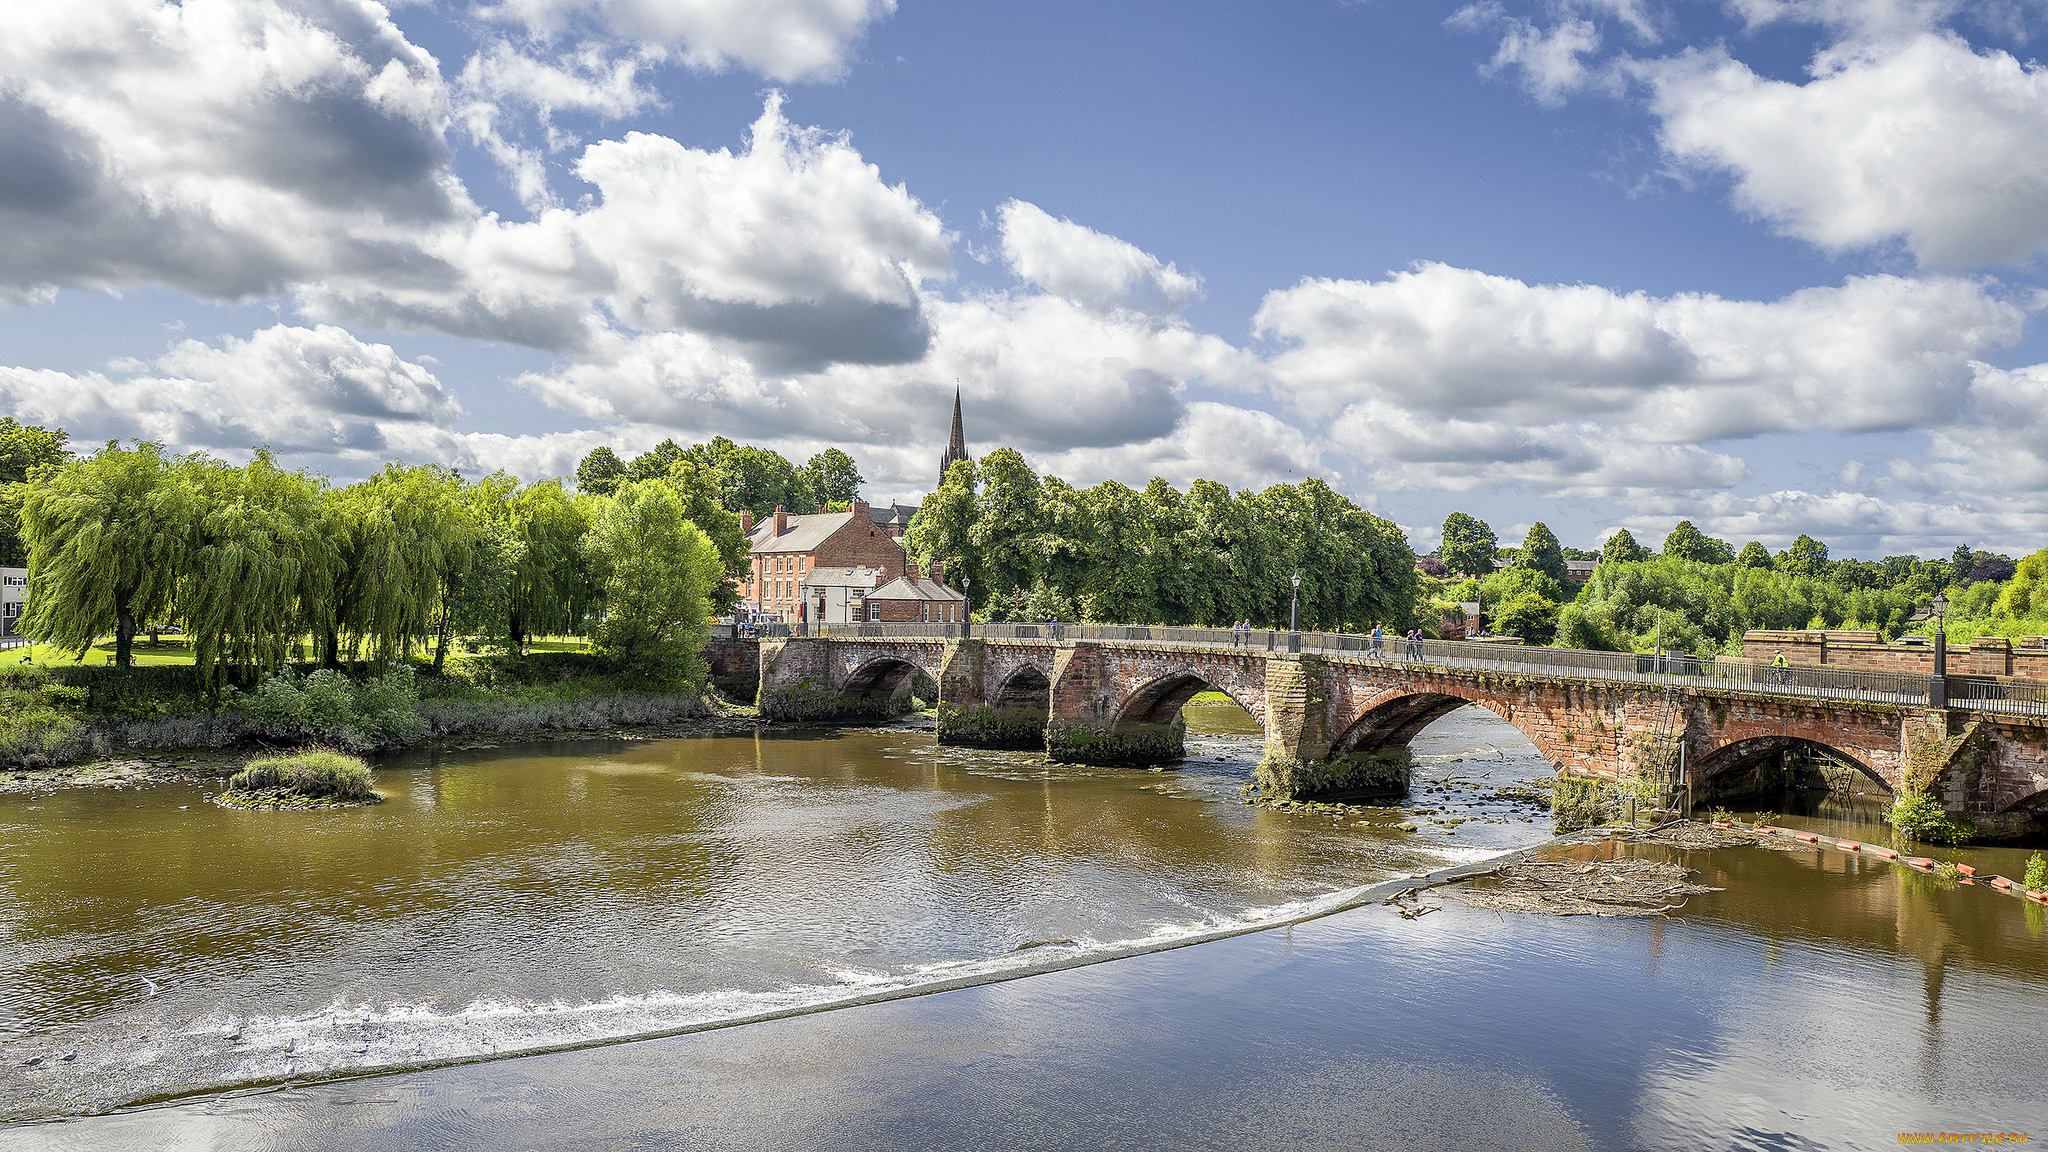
<point x="915" y="599"/>
<point x="787" y="547"/>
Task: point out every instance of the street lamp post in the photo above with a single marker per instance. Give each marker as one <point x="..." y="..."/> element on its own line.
<point x="1294" y="617"/>
<point x="967" y="608"/>
<point x="1937" y="690"/>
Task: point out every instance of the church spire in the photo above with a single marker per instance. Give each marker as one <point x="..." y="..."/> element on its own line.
<point x="956" y="448"/>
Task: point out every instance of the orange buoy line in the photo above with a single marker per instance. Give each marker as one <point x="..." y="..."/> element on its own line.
<point x="1922" y="863"/>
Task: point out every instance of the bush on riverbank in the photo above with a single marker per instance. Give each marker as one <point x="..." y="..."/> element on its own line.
<point x="380" y="712"/>
<point x="320" y="775"/>
<point x="1921" y="817"/>
<point x="1577" y="804"/>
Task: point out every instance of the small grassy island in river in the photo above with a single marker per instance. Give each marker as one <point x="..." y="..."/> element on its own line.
<point x="314" y="779"/>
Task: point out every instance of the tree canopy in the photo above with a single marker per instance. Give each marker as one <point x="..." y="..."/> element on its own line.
<point x="1542" y="553"/>
<point x="1468" y="545"/>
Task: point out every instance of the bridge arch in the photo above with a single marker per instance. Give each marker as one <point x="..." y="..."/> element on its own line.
<point x="1760" y="763"/>
<point x="1026" y="689"/>
<point x="883" y="679"/>
<point x="1158" y="701"/>
<point x="1396" y="716"/>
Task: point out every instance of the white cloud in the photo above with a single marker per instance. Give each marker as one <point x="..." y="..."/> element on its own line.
<point x="501" y="78"/>
<point x="1039" y="371"/>
<point x="780" y="39"/>
<point x="793" y="250"/>
<point x="1923" y="142"/>
<point x="1089" y="267"/>
<point x="1877" y="353"/>
<point x="225" y="147"/>
<point x="316" y="391"/>
<point x="1550" y="61"/>
<point x="1578" y="459"/>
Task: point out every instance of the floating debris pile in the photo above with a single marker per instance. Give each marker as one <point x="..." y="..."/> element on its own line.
<point x="1626" y="887"/>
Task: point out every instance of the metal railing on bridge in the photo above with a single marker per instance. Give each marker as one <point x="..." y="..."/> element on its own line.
<point x="1621" y="667"/>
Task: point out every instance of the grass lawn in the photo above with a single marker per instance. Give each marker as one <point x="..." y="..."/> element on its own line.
<point x="178" y="651"/>
<point x="101" y="653"/>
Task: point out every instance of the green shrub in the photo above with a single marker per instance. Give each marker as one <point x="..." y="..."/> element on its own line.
<point x="38" y="736"/>
<point x="2037" y="873"/>
<point x="317" y="775"/>
<point x="1576" y="804"/>
<point x="1921" y="817"/>
<point x="327" y="706"/>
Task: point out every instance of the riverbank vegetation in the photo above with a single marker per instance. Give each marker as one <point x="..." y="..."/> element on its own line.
<point x="1700" y="594"/>
<point x="313" y="778"/>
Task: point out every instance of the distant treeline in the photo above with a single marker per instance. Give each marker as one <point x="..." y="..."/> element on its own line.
<point x="1036" y="547"/>
<point x="1700" y="594"/>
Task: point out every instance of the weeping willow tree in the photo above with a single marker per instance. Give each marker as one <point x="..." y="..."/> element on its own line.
<point x="262" y="567"/>
<point x="403" y="536"/>
<point x="551" y="589"/>
<point x="108" y="538"/>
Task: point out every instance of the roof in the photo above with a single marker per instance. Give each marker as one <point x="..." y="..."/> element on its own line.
<point x="893" y="514"/>
<point x="804" y="535"/>
<point x="841" y="577"/>
<point x="904" y="588"/>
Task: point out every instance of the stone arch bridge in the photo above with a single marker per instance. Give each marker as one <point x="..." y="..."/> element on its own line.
<point x="1332" y="706"/>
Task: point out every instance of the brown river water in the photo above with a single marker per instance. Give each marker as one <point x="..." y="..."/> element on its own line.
<point x="173" y="974"/>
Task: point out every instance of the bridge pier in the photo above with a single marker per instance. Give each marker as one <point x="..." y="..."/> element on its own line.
<point x="1083" y="727"/>
<point x="1301" y="759"/>
<point x="975" y="714"/>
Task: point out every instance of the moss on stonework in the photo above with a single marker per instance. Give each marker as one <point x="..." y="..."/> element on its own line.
<point x="1383" y="772"/>
<point x="806" y="703"/>
<point x="1077" y="744"/>
<point x="984" y="727"/>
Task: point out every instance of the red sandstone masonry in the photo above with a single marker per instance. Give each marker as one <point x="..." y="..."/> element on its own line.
<point x="1583" y="727"/>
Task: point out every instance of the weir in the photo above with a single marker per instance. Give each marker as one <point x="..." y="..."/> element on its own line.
<point x="1338" y="713"/>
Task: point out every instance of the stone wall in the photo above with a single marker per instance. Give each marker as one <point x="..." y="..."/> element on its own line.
<point x="1982" y="656"/>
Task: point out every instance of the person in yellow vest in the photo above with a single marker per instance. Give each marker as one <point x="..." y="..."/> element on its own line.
<point x="1781" y="669"/>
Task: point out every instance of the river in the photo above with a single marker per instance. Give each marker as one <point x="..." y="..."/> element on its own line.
<point x="564" y="897"/>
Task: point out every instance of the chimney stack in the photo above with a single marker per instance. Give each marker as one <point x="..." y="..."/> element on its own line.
<point x="746" y="523"/>
<point x="911" y="569"/>
<point x="938" y="570"/>
<point x="821" y="507"/>
<point x="860" y="508"/>
<point x="781" y="519"/>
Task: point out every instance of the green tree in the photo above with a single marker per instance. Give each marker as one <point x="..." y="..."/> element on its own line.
<point x="601" y="472"/>
<point x="408" y="537"/>
<point x="1523" y="602"/>
<point x="1689" y="543"/>
<point x="944" y="530"/>
<point x="1621" y="548"/>
<point x="1755" y="555"/>
<point x="23" y="449"/>
<point x="108" y="539"/>
<point x="699" y="488"/>
<point x="1468" y="545"/>
<point x="1807" y="557"/>
<point x="654" y="464"/>
<point x="261" y="568"/>
<point x="831" y="477"/>
<point x="1542" y="553"/>
<point x="658" y="571"/>
<point x="1009" y="522"/>
<point x="550" y="590"/>
<point x="2025" y="595"/>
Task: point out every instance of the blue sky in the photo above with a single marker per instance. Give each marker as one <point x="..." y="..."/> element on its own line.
<point x="1770" y="265"/>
